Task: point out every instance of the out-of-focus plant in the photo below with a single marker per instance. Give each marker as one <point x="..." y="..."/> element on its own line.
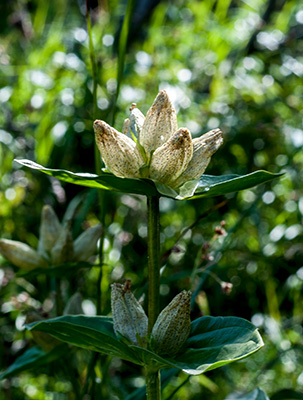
<point x="56" y="245"/>
<point x="237" y="66"/>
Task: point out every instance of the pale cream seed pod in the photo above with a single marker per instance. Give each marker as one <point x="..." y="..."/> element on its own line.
<point x="63" y="250"/>
<point x="171" y="159"/>
<point x="129" y="318"/>
<point x="172" y="327"/>
<point x="120" y="153"/>
<point x="126" y="130"/>
<point x="74" y="305"/>
<point x="50" y="229"/>
<point x="21" y="255"/>
<point x="203" y="148"/>
<point x="85" y="244"/>
<point x="160" y="123"/>
<point x="134" y="123"/>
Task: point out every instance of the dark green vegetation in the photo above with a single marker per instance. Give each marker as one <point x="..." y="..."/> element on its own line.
<point x="237" y="65"/>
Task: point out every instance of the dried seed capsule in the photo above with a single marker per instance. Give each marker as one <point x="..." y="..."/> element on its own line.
<point x="74" y="305"/>
<point x="85" y="244"/>
<point x="203" y="148"/>
<point x="172" y="327"/>
<point x="119" y="153"/>
<point x="21" y="255"/>
<point x="160" y="123"/>
<point x="129" y="317"/>
<point x="126" y="130"/>
<point x="171" y="159"/>
<point x="49" y="229"/>
<point x="134" y="123"/>
<point x="63" y="250"/>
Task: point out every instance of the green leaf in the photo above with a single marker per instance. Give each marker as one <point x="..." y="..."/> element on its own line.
<point x="93" y="333"/>
<point x="105" y="180"/>
<point x="207" y="186"/>
<point x="213" y="342"/>
<point x="33" y="357"/>
<point x="210" y="186"/>
<point x="257" y="394"/>
<point x="216" y="341"/>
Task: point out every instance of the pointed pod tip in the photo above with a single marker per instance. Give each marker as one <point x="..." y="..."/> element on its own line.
<point x="214" y="133"/>
<point x="101" y="127"/>
<point x="181" y="137"/>
<point x="162" y="97"/>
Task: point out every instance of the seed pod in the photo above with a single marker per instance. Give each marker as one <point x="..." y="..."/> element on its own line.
<point x="120" y="153"/>
<point x="171" y="159"/>
<point x="129" y="317"/>
<point x="160" y="123"/>
<point x="63" y="250"/>
<point x="172" y="327"/>
<point x="203" y="148"/>
<point x="85" y="244"/>
<point x="137" y="120"/>
<point x="126" y="130"/>
<point x="74" y="305"/>
<point x="21" y="255"/>
<point x="134" y="123"/>
<point x="49" y="229"/>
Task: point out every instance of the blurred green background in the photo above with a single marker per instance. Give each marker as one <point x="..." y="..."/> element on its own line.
<point x="237" y="65"/>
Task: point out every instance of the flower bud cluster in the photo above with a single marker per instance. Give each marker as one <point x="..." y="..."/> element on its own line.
<point x="56" y="245"/>
<point x="153" y="146"/>
<point x="170" y="331"/>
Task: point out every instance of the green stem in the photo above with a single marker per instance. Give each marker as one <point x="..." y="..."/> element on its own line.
<point x="153" y="385"/>
<point x="153" y="226"/>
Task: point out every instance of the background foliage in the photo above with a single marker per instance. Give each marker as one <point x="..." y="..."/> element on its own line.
<point x="237" y="65"/>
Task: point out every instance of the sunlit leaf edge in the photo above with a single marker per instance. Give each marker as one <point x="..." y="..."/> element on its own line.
<point x="85" y="326"/>
<point x="207" y="186"/>
<point x="235" y="322"/>
<point x="104" y="180"/>
<point x="225" y="184"/>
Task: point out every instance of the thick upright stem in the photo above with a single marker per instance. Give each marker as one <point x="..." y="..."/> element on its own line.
<point x="153" y="385"/>
<point x="153" y="226"/>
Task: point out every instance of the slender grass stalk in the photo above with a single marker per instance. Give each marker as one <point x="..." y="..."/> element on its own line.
<point x="123" y="39"/>
<point x="101" y="196"/>
<point x="92" y="58"/>
<point x="172" y="396"/>
<point x="98" y="163"/>
<point x="153" y="385"/>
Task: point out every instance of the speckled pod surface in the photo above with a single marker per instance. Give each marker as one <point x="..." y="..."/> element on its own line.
<point x="172" y="327"/>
